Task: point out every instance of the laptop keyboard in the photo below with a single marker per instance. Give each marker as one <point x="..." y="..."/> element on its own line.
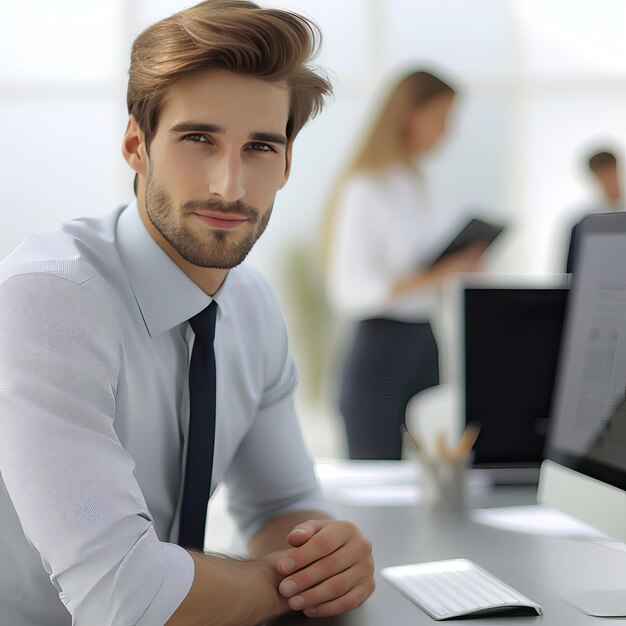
<point x="446" y="589"/>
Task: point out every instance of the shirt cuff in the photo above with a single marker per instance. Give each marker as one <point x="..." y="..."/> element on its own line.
<point x="179" y="575"/>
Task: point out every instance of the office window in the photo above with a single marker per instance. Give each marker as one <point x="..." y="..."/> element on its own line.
<point x="423" y="31"/>
<point x="62" y="160"/>
<point x="62" y="41"/>
<point x="561" y="38"/>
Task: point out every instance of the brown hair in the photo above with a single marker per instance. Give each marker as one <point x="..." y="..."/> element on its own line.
<point x="600" y="160"/>
<point x="385" y="142"/>
<point x="234" y="35"/>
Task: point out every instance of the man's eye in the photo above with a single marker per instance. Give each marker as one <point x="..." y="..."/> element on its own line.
<point x="195" y="138"/>
<point x="260" y="147"/>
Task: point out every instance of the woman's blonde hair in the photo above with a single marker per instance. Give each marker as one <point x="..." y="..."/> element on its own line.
<point x="233" y="35"/>
<point x="385" y="143"/>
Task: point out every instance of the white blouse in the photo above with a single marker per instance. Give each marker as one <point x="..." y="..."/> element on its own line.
<point x="385" y="230"/>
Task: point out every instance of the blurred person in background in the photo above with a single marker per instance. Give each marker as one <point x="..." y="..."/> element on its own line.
<point x="381" y="233"/>
<point x="605" y="168"/>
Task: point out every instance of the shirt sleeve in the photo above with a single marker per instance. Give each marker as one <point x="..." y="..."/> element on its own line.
<point x="272" y="472"/>
<point x="359" y="277"/>
<point x="69" y="478"/>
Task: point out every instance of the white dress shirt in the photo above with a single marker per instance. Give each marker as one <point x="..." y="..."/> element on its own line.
<point x="385" y="230"/>
<point x="94" y="409"/>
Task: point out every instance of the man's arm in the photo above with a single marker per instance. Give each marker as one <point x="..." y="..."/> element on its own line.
<point x="227" y="592"/>
<point x="273" y="536"/>
<point x="327" y="571"/>
<point x="216" y="594"/>
<point x="69" y="478"/>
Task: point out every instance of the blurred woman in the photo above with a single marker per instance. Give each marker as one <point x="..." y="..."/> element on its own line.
<point x="381" y="235"/>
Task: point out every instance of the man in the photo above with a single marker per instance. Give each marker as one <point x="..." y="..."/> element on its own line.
<point x="603" y="166"/>
<point x="104" y="445"/>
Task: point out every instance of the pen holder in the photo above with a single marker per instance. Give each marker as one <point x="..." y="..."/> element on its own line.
<point x="444" y="482"/>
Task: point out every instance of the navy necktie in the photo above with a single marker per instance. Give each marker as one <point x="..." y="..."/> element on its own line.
<point x="201" y="436"/>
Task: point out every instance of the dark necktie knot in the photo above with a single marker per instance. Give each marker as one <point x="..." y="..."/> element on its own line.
<point x="203" y="323"/>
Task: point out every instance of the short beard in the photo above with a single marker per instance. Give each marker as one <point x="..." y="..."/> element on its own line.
<point x="216" y="251"/>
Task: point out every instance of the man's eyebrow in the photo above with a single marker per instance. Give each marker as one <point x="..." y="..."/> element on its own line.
<point x="270" y="137"/>
<point x="189" y="127"/>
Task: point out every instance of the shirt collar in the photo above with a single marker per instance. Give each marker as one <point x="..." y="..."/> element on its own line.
<point x="166" y="296"/>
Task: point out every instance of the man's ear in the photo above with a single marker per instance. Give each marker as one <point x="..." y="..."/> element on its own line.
<point x="134" y="147"/>
<point x="287" y="165"/>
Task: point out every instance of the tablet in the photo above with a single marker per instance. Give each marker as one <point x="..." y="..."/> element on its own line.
<point x="475" y="231"/>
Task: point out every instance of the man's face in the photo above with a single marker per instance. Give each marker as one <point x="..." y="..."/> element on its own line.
<point x="609" y="181"/>
<point x="216" y="161"/>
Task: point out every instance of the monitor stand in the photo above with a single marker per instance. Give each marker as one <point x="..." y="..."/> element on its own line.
<point x="509" y="475"/>
<point x="600" y="603"/>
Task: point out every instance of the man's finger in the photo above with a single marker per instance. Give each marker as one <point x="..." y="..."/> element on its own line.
<point x="326" y="567"/>
<point x="339" y="593"/>
<point x="341" y="605"/>
<point x="303" y="532"/>
<point x="321" y="544"/>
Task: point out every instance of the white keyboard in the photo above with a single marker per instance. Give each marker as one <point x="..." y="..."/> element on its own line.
<point x="446" y="589"/>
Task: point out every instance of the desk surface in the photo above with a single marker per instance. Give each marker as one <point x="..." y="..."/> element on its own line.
<point x="546" y="569"/>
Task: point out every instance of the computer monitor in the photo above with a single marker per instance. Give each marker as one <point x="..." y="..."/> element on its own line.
<point x="509" y="345"/>
<point x="584" y="473"/>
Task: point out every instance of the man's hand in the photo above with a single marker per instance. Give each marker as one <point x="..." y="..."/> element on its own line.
<point x="330" y="569"/>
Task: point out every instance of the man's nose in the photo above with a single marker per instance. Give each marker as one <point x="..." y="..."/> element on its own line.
<point x="227" y="178"/>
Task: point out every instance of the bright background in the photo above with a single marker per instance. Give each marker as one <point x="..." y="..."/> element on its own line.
<point x="542" y="83"/>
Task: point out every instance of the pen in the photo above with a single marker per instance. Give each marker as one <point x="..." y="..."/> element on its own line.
<point x="467" y="441"/>
<point x="462" y="449"/>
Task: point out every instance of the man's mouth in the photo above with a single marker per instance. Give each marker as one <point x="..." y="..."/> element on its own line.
<point x="222" y="220"/>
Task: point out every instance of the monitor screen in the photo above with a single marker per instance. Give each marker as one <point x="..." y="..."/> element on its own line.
<point x="588" y="431"/>
<point x="511" y="339"/>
